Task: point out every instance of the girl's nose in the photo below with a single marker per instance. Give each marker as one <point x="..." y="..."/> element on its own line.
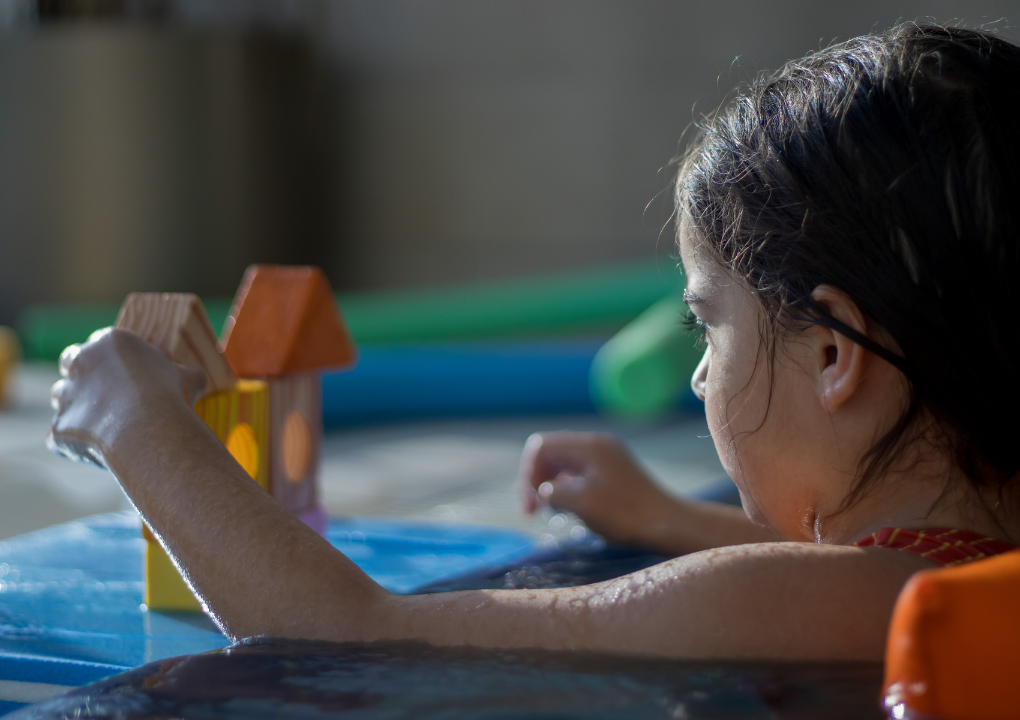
<point x="700" y="377"/>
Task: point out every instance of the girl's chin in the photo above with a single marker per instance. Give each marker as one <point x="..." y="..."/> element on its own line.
<point x="754" y="513"/>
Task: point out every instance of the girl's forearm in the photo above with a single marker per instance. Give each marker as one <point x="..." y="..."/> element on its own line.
<point x="679" y="526"/>
<point x="257" y="568"/>
<point x="261" y="571"/>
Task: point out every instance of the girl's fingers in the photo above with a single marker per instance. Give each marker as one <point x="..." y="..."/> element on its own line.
<point x="548" y="455"/>
<point x="57" y="395"/>
<point x="67" y="359"/>
<point x="528" y="471"/>
<point x="82" y="357"/>
<point x="540" y="461"/>
<point x="565" y="493"/>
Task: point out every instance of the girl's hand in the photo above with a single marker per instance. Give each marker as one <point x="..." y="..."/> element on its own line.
<point x="594" y="476"/>
<point x="114" y="381"/>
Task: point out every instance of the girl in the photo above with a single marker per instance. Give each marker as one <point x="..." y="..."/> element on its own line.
<point x="849" y="230"/>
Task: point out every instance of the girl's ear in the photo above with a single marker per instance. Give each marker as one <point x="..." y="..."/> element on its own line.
<point x="841" y="361"/>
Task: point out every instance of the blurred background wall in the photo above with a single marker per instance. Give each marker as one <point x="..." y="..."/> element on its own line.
<point x="165" y="145"/>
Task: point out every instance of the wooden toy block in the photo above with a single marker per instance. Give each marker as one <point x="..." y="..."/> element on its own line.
<point x="10" y="355"/>
<point x="240" y="418"/>
<point x="285" y="327"/>
<point x="285" y="320"/>
<point x="296" y="435"/>
<point x="177" y="324"/>
<point x="283" y="330"/>
<point x="165" y="589"/>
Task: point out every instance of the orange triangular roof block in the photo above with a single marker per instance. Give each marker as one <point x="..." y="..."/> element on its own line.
<point x="285" y="320"/>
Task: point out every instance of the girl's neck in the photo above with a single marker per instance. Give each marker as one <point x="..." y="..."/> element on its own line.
<point x="917" y="501"/>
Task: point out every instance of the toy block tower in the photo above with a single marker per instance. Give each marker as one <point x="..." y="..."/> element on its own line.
<point x="237" y="411"/>
<point x="285" y="328"/>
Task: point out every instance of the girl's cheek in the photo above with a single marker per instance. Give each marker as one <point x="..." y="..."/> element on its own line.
<point x="716" y="400"/>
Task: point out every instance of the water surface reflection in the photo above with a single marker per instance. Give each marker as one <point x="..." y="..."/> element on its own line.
<point x="276" y="679"/>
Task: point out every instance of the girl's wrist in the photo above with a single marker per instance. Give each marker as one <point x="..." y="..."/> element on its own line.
<point x="669" y="526"/>
<point x="655" y="520"/>
<point x="143" y="436"/>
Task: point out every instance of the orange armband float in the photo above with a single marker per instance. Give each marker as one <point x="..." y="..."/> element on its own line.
<point x="953" y="651"/>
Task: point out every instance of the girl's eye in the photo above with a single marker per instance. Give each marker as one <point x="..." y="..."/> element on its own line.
<point x="693" y="324"/>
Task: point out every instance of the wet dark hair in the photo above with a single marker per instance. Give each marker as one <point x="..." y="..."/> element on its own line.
<point x="886" y="167"/>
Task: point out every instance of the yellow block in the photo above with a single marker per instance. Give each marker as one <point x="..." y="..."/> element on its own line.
<point x="165" y="589"/>
<point x="240" y="419"/>
<point x="10" y="354"/>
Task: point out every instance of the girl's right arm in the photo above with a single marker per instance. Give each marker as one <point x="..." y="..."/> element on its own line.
<point x="593" y="476"/>
<point x="260" y="571"/>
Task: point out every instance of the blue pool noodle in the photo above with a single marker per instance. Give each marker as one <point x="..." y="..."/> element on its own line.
<point x="410" y="381"/>
<point x="460" y="379"/>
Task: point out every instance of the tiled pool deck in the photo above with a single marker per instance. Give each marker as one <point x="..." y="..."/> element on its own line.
<point x="448" y="470"/>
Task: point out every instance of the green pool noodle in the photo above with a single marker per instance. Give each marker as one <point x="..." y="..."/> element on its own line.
<point x="598" y="301"/>
<point x="643" y="369"/>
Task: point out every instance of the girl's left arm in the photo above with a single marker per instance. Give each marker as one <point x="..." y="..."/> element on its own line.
<point x="260" y="571"/>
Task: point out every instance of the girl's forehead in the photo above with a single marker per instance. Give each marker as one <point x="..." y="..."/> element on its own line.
<point x="687" y="241"/>
<point x="701" y="269"/>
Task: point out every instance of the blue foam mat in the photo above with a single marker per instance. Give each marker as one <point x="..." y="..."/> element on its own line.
<point x="73" y="593"/>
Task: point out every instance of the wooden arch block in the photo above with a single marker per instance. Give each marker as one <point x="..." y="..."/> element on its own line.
<point x="177" y="324"/>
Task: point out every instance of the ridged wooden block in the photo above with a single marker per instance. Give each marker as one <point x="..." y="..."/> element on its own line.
<point x="240" y="419"/>
<point x="177" y="324"/>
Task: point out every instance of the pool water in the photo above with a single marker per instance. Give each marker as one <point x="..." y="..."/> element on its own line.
<point x="562" y="564"/>
<point x="74" y="591"/>
<point x="300" y="679"/>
